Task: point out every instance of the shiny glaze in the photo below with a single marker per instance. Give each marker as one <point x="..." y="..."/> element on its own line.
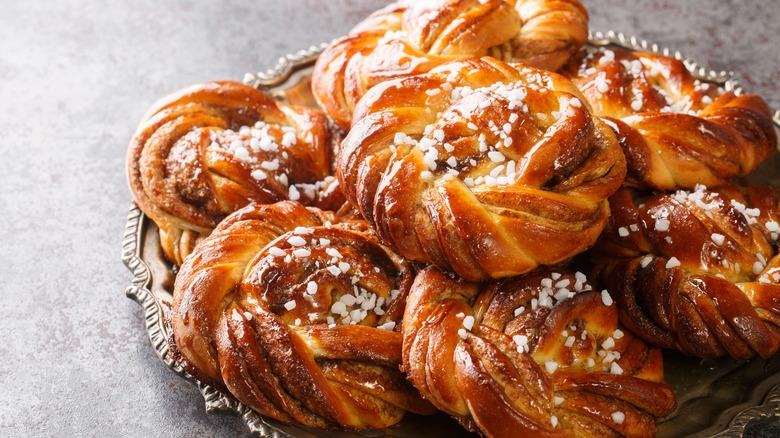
<point x="251" y="314"/>
<point x="555" y="205"/>
<point x="675" y="130"/>
<point x="709" y="285"/>
<point x="555" y="386"/>
<point x="187" y="186"/>
<point x="412" y="37"/>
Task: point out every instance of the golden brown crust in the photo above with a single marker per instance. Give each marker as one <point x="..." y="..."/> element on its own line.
<point x="210" y="149"/>
<point x="295" y="313"/>
<point x="479" y="166"/>
<point x="327" y="195"/>
<point x="697" y="271"/>
<point x="412" y="37"/>
<point x="676" y="131"/>
<point x="537" y="354"/>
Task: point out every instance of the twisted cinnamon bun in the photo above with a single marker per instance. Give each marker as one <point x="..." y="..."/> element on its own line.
<point x="540" y="354"/>
<point x="411" y="37"/>
<point x="482" y="167"/>
<point x="696" y="270"/>
<point x="675" y="130"/>
<point x="297" y="314"/>
<point x="212" y="148"/>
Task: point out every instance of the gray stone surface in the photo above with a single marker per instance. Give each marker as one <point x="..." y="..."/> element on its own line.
<point x="75" y="79"/>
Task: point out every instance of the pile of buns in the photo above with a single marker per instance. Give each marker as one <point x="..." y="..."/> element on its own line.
<point x="417" y="243"/>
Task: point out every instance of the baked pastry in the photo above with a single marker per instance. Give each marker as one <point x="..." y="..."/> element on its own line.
<point x="537" y="355"/>
<point x="411" y="37"/>
<point x="482" y="167"/>
<point x="675" y="130"/>
<point x="327" y="195"/>
<point x="212" y="148"/>
<point x="696" y="270"/>
<point x="297" y="315"/>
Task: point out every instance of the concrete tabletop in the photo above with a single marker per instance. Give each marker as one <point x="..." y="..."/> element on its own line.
<point x="75" y="78"/>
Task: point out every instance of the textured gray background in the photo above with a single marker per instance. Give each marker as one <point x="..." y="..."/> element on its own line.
<point x="75" y="79"/>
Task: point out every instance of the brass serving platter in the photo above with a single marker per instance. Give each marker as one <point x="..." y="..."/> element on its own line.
<point x="716" y="398"/>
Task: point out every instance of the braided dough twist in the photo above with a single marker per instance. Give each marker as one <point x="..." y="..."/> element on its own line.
<point x="536" y="355"/>
<point x="411" y="37"/>
<point x="486" y="168"/>
<point x="675" y="130"/>
<point x="212" y="148"/>
<point x="293" y="312"/>
<point x="697" y="271"/>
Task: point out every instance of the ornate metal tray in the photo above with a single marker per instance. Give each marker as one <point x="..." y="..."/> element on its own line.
<point x="720" y="398"/>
